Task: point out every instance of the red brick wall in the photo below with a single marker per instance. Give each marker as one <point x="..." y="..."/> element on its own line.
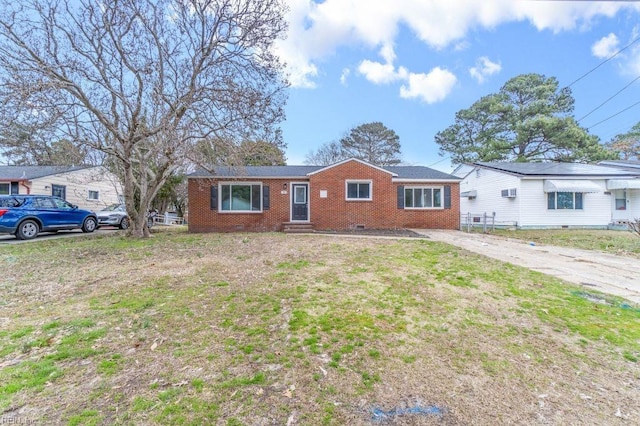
<point x="331" y="213"/>
<point x="382" y="212"/>
<point x="203" y="219"/>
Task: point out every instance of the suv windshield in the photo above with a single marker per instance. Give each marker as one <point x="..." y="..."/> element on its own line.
<point x="114" y="208"/>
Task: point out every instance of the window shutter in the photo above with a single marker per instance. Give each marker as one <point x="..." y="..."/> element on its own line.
<point x="447" y="196"/>
<point x="401" y="197"/>
<point x="214" y="198"/>
<point x="266" y="199"/>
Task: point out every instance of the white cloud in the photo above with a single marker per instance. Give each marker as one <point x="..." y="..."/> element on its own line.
<point x="378" y="73"/>
<point x="429" y="88"/>
<point x="633" y="66"/>
<point x="484" y="68"/>
<point x="316" y="30"/>
<point x="344" y="76"/>
<point x="606" y="46"/>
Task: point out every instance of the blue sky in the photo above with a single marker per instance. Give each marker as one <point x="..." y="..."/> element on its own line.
<point x="412" y="64"/>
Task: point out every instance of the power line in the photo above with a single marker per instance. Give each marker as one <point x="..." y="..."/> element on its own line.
<point x="608" y="99"/>
<point x="605" y="61"/>
<point x="614" y="115"/>
<point x="440" y="161"/>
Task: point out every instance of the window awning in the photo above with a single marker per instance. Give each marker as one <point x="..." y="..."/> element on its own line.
<point x="570" y="185"/>
<point x="623" y="184"/>
<point x="469" y="194"/>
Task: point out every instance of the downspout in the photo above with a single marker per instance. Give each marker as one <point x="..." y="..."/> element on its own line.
<point x="22" y="182"/>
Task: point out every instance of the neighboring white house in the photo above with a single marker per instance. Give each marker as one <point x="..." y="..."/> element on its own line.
<point x="90" y="188"/>
<point x="550" y="195"/>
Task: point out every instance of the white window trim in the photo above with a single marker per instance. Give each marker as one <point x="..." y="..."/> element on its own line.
<point x="346" y="189"/>
<point x="239" y="183"/>
<point x="555" y="199"/>
<point x="89" y="191"/>
<point x="441" y="188"/>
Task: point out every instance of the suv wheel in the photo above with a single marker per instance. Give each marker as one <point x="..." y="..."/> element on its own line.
<point x="90" y="224"/>
<point x="124" y="223"/>
<point x="27" y="230"/>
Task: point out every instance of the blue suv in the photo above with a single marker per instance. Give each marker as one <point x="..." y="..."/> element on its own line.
<point x="26" y="216"/>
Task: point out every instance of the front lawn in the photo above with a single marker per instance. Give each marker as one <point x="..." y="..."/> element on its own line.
<point x="299" y="329"/>
<point x="622" y="243"/>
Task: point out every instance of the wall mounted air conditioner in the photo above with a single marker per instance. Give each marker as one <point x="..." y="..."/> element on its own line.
<point x="509" y="193"/>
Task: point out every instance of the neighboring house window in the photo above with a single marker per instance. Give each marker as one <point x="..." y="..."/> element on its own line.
<point x="241" y="197"/>
<point x="358" y="190"/>
<point x="564" y="200"/>
<point x="94" y="195"/>
<point x="621" y="199"/>
<point x="59" y="191"/>
<point x="423" y="197"/>
<point x="5" y="188"/>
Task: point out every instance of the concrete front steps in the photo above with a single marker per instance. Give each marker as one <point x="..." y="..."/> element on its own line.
<point x="297" y="227"/>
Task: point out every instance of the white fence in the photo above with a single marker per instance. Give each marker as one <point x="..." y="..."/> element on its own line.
<point x="486" y="222"/>
<point x="168" y="219"/>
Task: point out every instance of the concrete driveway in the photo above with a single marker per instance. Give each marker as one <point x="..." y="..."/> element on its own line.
<point x="607" y="273"/>
<point x="11" y="239"/>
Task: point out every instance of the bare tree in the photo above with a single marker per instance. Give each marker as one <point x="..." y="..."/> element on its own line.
<point x="39" y="147"/>
<point x="143" y="80"/>
<point x="329" y="153"/>
<point x="370" y="142"/>
<point x="634" y="226"/>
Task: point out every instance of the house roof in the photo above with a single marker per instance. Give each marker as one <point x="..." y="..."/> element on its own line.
<point x="358" y="161"/>
<point x="257" y="171"/>
<point x="34" y="172"/>
<point x="555" y="169"/>
<point x="623" y="164"/>
<point x="302" y="172"/>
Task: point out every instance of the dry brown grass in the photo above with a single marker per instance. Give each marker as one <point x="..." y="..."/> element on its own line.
<point x="277" y="329"/>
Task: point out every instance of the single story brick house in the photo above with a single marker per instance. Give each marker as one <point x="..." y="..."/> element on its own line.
<point x="351" y="194"/>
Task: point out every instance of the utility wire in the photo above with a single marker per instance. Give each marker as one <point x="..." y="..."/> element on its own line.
<point x="608" y="99"/>
<point x="439" y="161"/>
<point x="611" y="116"/>
<point x="634" y="41"/>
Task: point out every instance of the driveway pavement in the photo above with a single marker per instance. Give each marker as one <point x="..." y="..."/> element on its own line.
<point x="607" y="273"/>
<point x="11" y="239"/>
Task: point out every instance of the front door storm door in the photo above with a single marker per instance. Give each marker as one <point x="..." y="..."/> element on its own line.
<point x="300" y="202"/>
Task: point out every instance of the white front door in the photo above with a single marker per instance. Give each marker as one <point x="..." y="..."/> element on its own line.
<point x="620" y="205"/>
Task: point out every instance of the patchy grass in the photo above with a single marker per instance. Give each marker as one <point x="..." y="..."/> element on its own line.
<point x="275" y="329"/>
<point x="615" y="242"/>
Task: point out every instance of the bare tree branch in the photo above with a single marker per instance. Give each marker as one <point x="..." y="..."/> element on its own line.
<point x="142" y="81"/>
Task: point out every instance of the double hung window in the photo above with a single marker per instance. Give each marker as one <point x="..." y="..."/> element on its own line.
<point x="241" y="197"/>
<point x="564" y="201"/>
<point x="423" y="197"/>
<point x="359" y="190"/>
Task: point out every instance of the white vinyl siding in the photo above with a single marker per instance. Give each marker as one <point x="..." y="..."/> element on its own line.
<point x="596" y="209"/>
<point x="529" y="207"/>
<point x="488" y="186"/>
<point x="77" y="183"/>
